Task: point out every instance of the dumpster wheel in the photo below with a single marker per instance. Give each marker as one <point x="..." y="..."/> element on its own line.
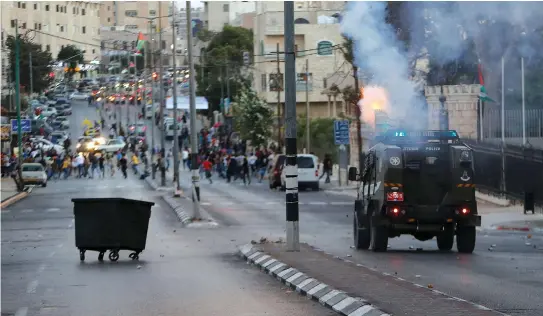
<point x="134" y="256"/>
<point x="82" y="255"/>
<point x="113" y="255"/>
<point x="101" y="256"/>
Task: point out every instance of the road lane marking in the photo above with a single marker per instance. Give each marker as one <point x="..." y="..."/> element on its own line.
<point x="317" y="203"/>
<point x="205" y="203"/>
<point x="272" y="203"/>
<point x="53" y="209"/>
<point x="341" y="203"/>
<point x="60" y="245"/>
<point x="21" y="311"/>
<point x="71" y="223"/>
<point x="5" y="211"/>
<point x="52" y="254"/>
<point x="27" y="210"/>
<point x="31" y="288"/>
<point x="41" y="268"/>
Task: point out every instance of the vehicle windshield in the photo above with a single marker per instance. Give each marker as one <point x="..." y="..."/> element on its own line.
<point x="32" y="168"/>
<point x="304" y="162"/>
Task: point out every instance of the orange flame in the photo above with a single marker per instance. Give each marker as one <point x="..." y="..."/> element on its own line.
<point x="374" y="99"/>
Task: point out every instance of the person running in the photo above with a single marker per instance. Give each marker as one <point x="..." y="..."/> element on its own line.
<point x="207" y="165"/>
<point x="110" y="164"/>
<point x="101" y="165"/>
<point x="135" y="163"/>
<point x="245" y="171"/>
<point x="123" y="163"/>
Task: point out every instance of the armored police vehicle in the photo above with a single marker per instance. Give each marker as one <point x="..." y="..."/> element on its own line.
<point x="418" y="183"/>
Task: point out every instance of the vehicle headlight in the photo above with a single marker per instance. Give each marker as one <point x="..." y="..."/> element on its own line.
<point x="78" y="145"/>
<point x="90" y="146"/>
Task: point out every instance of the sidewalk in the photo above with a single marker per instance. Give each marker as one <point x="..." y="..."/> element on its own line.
<point x="8" y="188"/>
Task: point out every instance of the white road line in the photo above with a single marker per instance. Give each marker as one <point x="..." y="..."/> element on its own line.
<point x="120" y="186"/>
<point x="27" y="211"/>
<point x="272" y="203"/>
<point x="21" y="311"/>
<point x="71" y="223"/>
<point x="317" y="203"/>
<point x="53" y="209"/>
<point x="341" y="203"/>
<point x="5" y="211"/>
<point x="41" y="268"/>
<point x="31" y="288"/>
<point x="205" y="203"/>
<point x="60" y="245"/>
<point x="52" y="254"/>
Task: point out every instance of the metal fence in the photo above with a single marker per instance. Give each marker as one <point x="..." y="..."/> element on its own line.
<point x="492" y="130"/>
<point x="510" y="170"/>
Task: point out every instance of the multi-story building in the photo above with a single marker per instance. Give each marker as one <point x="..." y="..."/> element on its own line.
<point x="122" y="21"/>
<point x="181" y="23"/>
<point x="59" y="23"/>
<point x="317" y="40"/>
<point x="217" y="14"/>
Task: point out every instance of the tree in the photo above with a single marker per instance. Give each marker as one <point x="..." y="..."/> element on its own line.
<point x="223" y="54"/>
<point x="41" y="64"/>
<point x="253" y="117"/>
<point x="322" y="136"/>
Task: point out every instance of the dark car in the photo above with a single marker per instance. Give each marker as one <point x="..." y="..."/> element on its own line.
<point x="36" y="125"/>
<point x="61" y="101"/>
<point x="274" y="176"/>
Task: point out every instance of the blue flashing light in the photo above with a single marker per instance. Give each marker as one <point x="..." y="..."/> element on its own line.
<point x="399" y="134"/>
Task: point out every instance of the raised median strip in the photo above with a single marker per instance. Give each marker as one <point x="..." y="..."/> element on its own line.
<point x="15" y="198"/>
<point x="353" y="289"/>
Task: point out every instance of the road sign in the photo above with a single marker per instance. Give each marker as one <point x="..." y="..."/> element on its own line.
<point x="341" y="132"/>
<point x="25" y="126"/>
<point x="246" y="59"/>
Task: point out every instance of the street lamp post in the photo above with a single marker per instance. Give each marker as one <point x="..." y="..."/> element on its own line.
<point x="175" y="125"/>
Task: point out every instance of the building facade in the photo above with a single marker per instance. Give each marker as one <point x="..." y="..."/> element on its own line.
<point x="59" y="23"/>
<point x="217" y="14"/>
<point x="317" y="36"/>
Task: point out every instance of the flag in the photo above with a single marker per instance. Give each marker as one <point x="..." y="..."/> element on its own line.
<point x="482" y="94"/>
<point x="131" y="65"/>
<point x="141" y="42"/>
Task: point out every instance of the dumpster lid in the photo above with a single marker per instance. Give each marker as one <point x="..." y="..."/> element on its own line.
<point x="92" y="200"/>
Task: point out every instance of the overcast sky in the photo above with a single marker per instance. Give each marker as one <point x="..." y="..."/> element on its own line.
<point x="193" y="3"/>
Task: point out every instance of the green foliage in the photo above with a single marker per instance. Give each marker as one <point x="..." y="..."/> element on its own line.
<point x="205" y="35"/>
<point x="72" y="55"/>
<point x="223" y="53"/>
<point x="253" y="117"/>
<point x="321" y="136"/>
<point x="41" y="64"/>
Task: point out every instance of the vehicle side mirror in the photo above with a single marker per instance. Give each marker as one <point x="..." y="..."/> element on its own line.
<point x="353" y="173"/>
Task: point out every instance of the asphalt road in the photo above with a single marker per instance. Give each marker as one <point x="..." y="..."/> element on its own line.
<point x="181" y="272"/>
<point x="505" y="272"/>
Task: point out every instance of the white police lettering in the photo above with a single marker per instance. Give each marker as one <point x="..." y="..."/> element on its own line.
<point x="410" y="148"/>
<point x="433" y="148"/>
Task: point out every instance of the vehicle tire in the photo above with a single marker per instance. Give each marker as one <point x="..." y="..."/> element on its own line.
<point x="44" y="184"/>
<point x="82" y="255"/>
<point x="113" y="256"/>
<point x="316" y="187"/>
<point x="379" y="236"/>
<point x="362" y="236"/>
<point x="445" y="240"/>
<point x="465" y="239"/>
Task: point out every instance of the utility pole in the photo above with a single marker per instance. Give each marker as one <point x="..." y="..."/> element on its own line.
<point x="193" y="134"/>
<point x="291" y="170"/>
<point x="222" y="90"/>
<point x="162" y="105"/>
<point x="153" y="85"/>
<point x="358" y="120"/>
<point x="307" y="119"/>
<point x="278" y="86"/>
<point x="31" y="73"/>
<point x="20" y="185"/>
<point x="227" y="83"/>
<point x="175" y="125"/>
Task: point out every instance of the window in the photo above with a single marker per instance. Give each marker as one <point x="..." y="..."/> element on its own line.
<point x="276" y="82"/>
<point x="24" y="26"/>
<point x="163" y="46"/>
<point x="23" y="5"/>
<point x="32" y="167"/>
<point x="324" y="48"/>
<point x="152" y="12"/>
<point x="83" y="12"/>
<point x="73" y="10"/>
<point x="109" y="19"/>
<point x="47" y="47"/>
<point x="263" y="82"/>
<point x="131" y="13"/>
<point x="35" y="6"/>
<point x="305" y="162"/>
<point x="108" y="8"/>
<point x="13" y="23"/>
<point x="84" y="29"/>
<point x="62" y="29"/>
<point x="131" y="27"/>
<point x="19" y="4"/>
<point x="39" y="26"/>
<point x="94" y="51"/>
<point x="304" y="81"/>
<point x="35" y="26"/>
<point x="46" y="7"/>
<point x="57" y="8"/>
<point x="324" y="83"/>
<point x="226" y="7"/>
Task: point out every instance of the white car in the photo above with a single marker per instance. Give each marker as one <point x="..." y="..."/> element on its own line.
<point x="111" y="146"/>
<point x="50" y="111"/>
<point x="34" y="173"/>
<point x="60" y="136"/>
<point x="47" y="145"/>
<point x="79" y="96"/>
<point x="308" y="172"/>
<point x="64" y="122"/>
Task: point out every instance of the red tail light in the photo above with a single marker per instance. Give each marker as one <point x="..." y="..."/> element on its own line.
<point x="316" y="173"/>
<point x="394" y="211"/>
<point x="464" y="211"/>
<point x="395" y="196"/>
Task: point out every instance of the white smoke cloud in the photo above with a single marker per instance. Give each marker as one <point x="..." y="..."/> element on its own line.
<point x="376" y="52"/>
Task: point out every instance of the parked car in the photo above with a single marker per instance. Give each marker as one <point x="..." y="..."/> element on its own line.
<point x="308" y="172"/>
<point x="50" y="111"/>
<point x="63" y="121"/>
<point x="79" y="96"/>
<point x="58" y="137"/>
<point x="47" y="145"/>
<point x="274" y="176"/>
<point x="111" y="146"/>
<point x="66" y="109"/>
<point x="34" y="173"/>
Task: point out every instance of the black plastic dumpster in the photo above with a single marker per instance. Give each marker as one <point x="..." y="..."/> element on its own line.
<point x="113" y="224"/>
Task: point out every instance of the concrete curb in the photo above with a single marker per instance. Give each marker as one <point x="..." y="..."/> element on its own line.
<point x="491" y="199"/>
<point x="336" y="300"/>
<point x="182" y="216"/>
<point x="16" y="198"/>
